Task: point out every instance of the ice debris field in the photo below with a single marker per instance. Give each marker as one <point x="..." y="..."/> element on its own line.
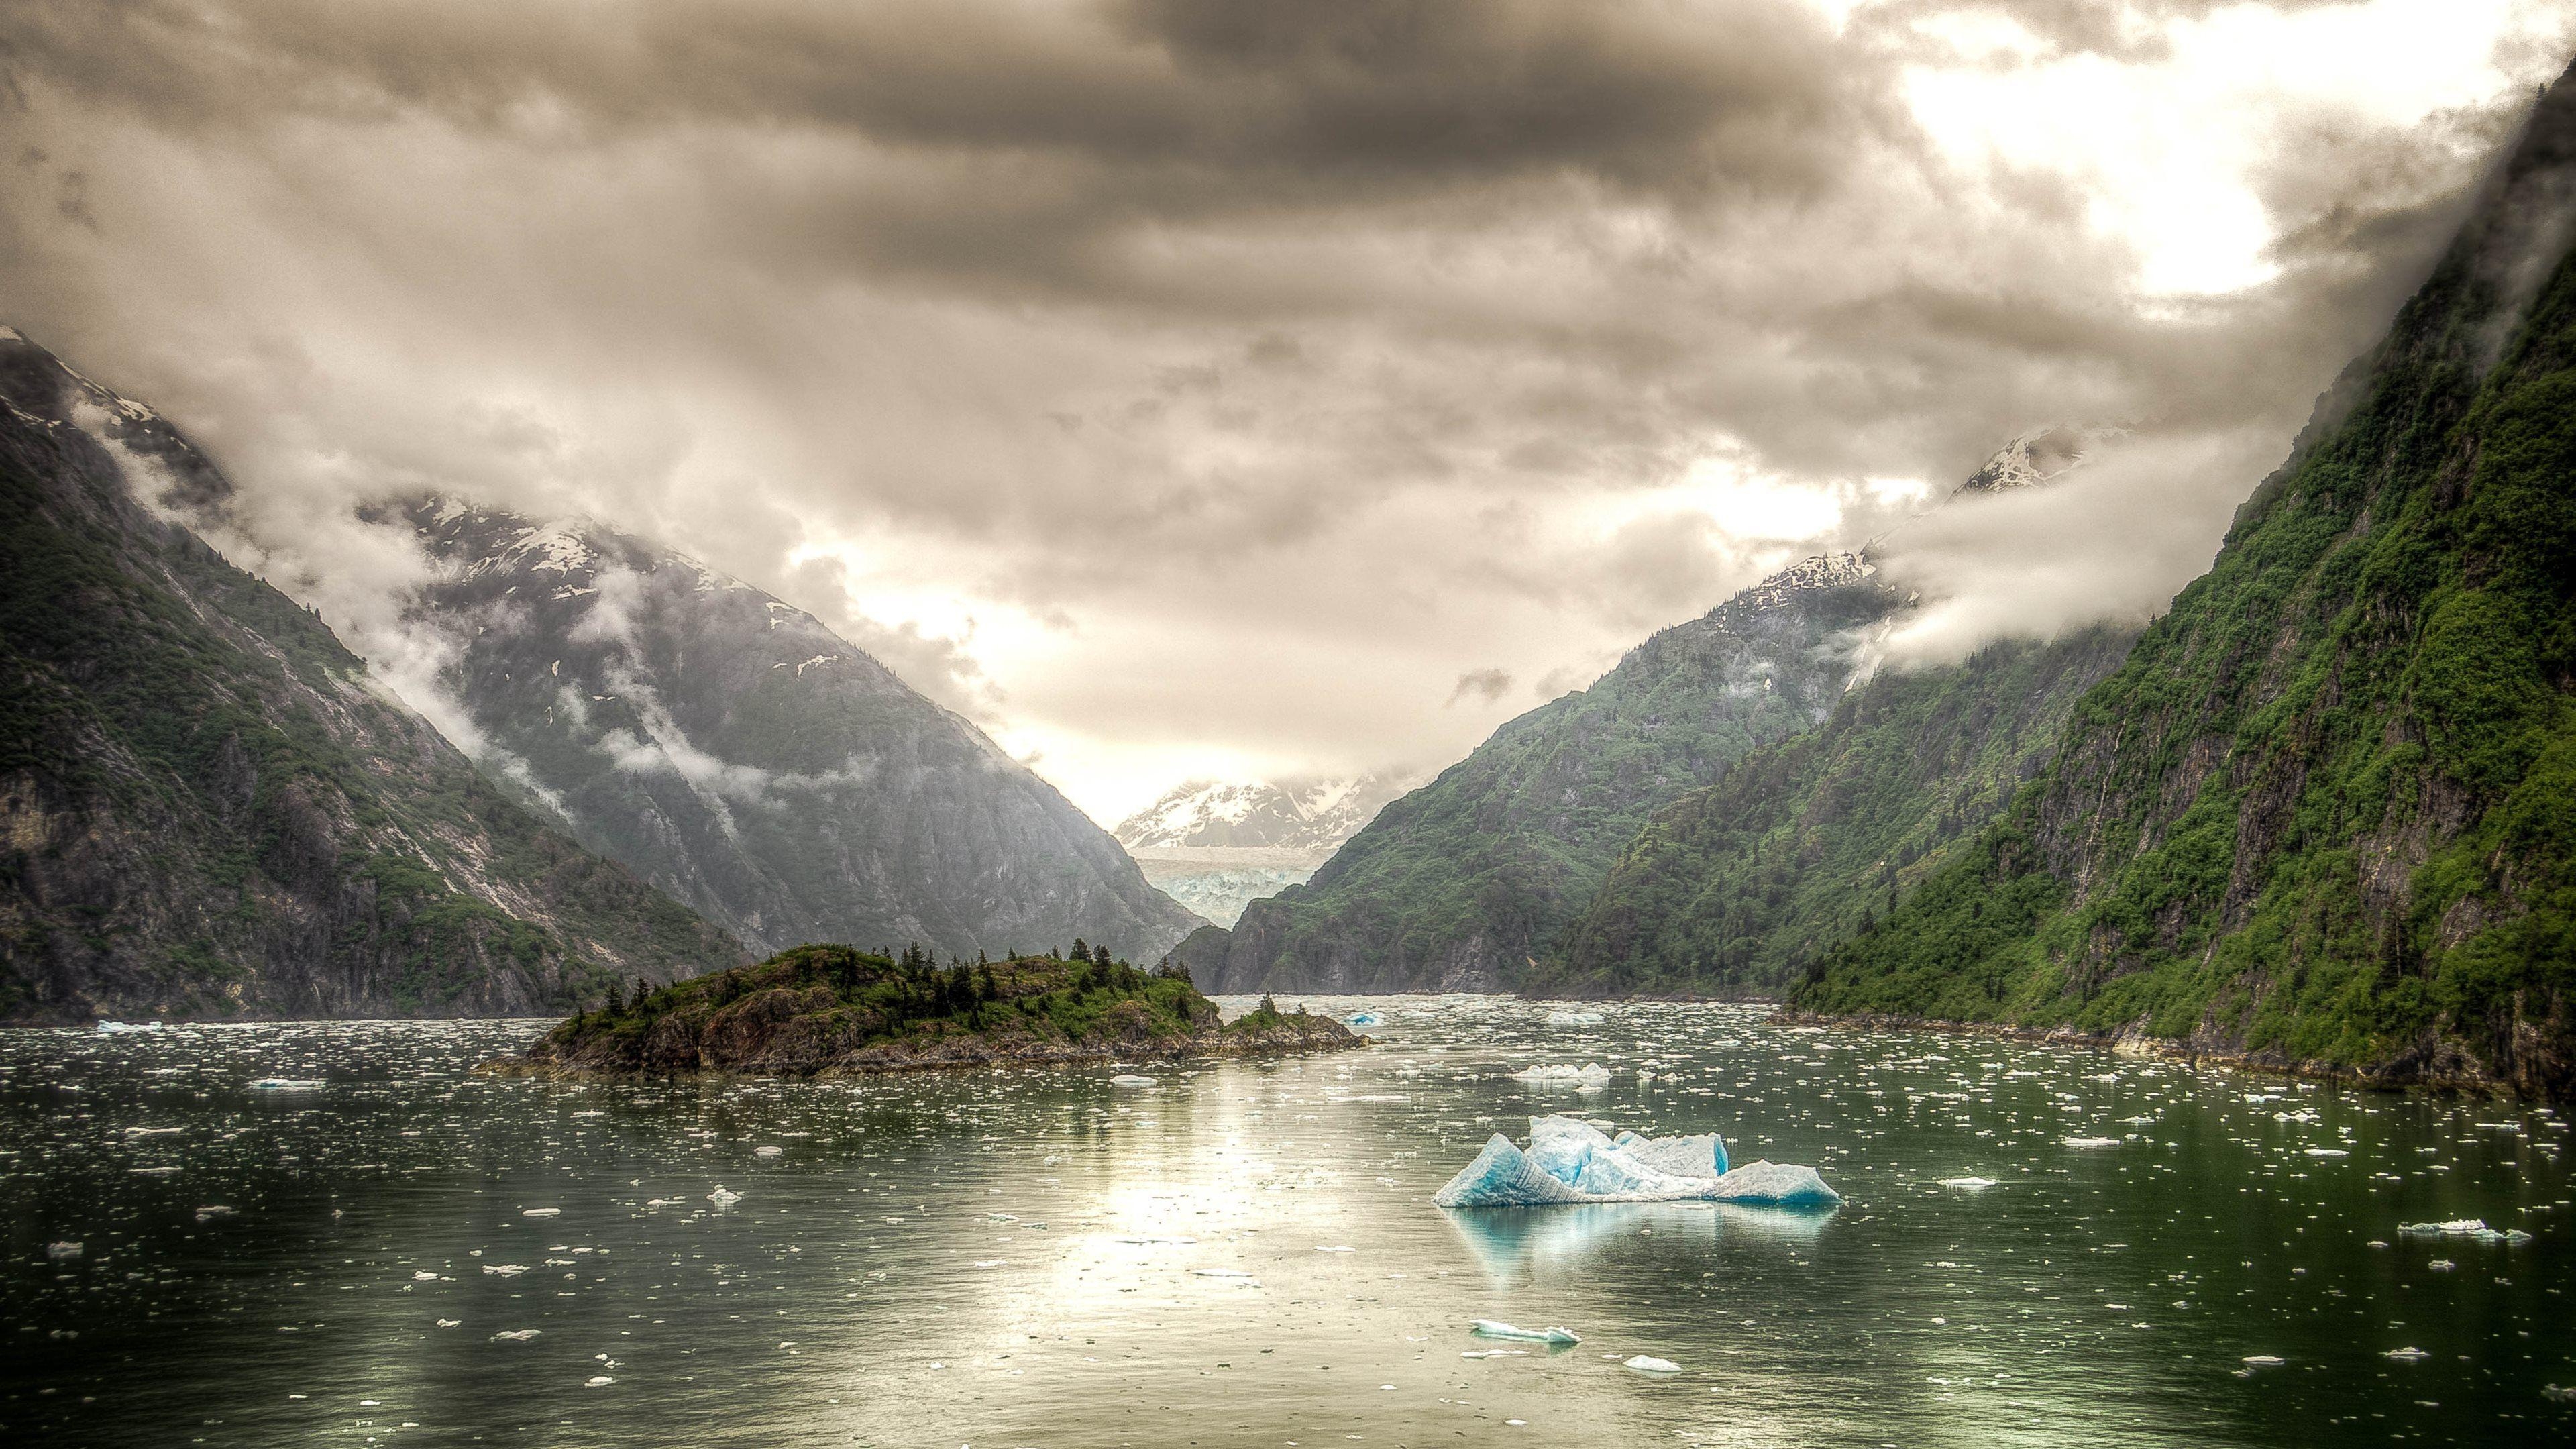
<point x="1571" y="1161"/>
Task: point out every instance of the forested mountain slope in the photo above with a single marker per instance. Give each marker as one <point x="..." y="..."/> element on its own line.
<point x="2326" y="810"/>
<point x="1732" y="889"/>
<point x="207" y="809"/>
<point x="1457" y="884"/>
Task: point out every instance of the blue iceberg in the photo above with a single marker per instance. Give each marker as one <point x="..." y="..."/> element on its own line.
<point x="1570" y="1161"/>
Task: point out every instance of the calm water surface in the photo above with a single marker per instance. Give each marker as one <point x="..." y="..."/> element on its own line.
<point x="1245" y="1254"/>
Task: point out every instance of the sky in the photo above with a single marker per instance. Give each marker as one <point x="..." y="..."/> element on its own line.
<point x="1200" y="390"/>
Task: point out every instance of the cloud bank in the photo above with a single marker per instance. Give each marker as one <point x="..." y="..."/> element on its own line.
<point x="1188" y="389"/>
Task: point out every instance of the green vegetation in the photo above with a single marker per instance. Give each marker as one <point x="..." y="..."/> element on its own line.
<point x="2327" y="809"/>
<point x="1733" y="889"/>
<point x="213" y="814"/>
<point x="1462" y="881"/>
<point x="820" y="1008"/>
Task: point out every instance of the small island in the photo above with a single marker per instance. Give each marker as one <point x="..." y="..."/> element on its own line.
<point x="824" y="1010"/>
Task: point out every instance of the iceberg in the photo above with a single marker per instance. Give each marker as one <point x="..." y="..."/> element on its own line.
<point x="1571" y="1161"/>
<point x="1360" y="1018"/>
<point x="1590" y="1076"/>
<point x="1644" y="1365"/>
<point x="1495" y="1328"/>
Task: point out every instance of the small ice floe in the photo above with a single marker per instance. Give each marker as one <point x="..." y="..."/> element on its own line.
<point x="1574" y="1018"/>
<point x="288" y="1084"/>
<point x="153" y="1131"/>
<point x="2407" y="1355"/>
<point x="114" y="1027"/>
<point x="1591" y="1076"/>
<point x="450" y="1322"/>
<point x="2557" y="1395"/>
<point x="505" y="1270"/>
<point x="2141" y="1120"/>
<point x="1220" y="1272"/>
<point x="2264" y="1360"/>
<point x="516" y="1335"/>
<point x="1333" y="1248"/>
<point x="2442" y="1265"/>
<point x="598" y="1381"/>
<point x="663" y="1202"/>
<point x="424" y="1276"/>
<point x="212" y="1211"/>
<point x="1131" y="1079"/>
<point x="2090" y="1142"/>
<point x="1571" y="1161"/>
<point x="2475" y="1229"/>
<point x="2327" y="1152"/>
<point x="1360" y="1018"/>
<point x="62" y="1252"/>
<point x="1968" y="1184"/>
<point x="541" y="1212"/>
<point x="1495" y="1353"/>
<point x="1644" y="1365"/>
<point x="767" y="1151"/>
<point x="1496" y="1328"/>
<point x="724" y="1196"/>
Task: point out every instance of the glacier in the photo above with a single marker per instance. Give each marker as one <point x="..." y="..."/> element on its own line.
<point x="1570" y="1161"/>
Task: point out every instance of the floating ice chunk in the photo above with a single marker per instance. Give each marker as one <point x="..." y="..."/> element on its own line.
<point x="516" y="1335"/>
<point x="2327" y="1152"/>
<point x="450" y="1322"/>
<point x="1574" y="1018"/>
<point x="1221" y="1272"/>
<point x="1146" y="1242"/>
<point x="2441" y="1265"/>
<point x="2463" y="1227"/>
<point x="153" y="1131"/>
<point x="1645" y="1365"/>
<point x="724" y="1196"/>
<point x="1496" y="1328"/>
<point x="424" y="1276"/>
<point x="1591" y="1076"/>
<point x="1569" y="1161"/>
<point x="2407" y="1355"/>
<point x="1495" y="1353"/>
<point x="663" y="1202"/>
<point x="1130" y="1079"/>
<point x="541" y="1212"/>
<point x="1334" y="1248"/>
<point x="1968" y="1184"/>
<point x="597" y="1381"/>
<point x="2264" y="1360"/>
<point x="213" y="1210"/>
<point x="288" y="1084"/>
<point x="2556" y="1395"/>
<point x="505" y="1270"/>
<point x="2092" y="1142"/>
<point x="62" y="1252"/>
<point x="767" y="1151"/>
<point x="1360" y="1018"/>
<point x="125" y="1026"/>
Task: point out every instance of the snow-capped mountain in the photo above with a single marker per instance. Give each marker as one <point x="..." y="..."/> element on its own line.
<point x="1305" y="814"/>
<point x="1216" y="846"/>
<point x="2042" y="455"/>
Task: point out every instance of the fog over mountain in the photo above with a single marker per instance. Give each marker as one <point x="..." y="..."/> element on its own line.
<point x="1198" y="391"/>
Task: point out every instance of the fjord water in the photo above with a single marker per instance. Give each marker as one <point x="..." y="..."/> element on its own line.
<point x="1246" y="1254"/>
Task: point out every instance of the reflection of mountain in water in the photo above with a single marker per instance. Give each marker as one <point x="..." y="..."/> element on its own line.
<point x="1518" y="1245"/>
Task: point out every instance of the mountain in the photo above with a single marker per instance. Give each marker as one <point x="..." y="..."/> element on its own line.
<point x="1300" y="814"/>
<point x="212" y="810"/>
<point x="1456" y="884"/>
<point x="1218" y="846"/>
<point x="2325" y="812"/>
<point x="1732" y="889"/>
<point x="735" y="752"/>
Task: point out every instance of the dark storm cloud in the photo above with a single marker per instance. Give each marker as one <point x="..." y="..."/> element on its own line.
<point x="1178" y="373"/>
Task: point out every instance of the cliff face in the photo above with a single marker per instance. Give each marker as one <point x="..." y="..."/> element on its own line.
<point x="1732" y="889"/>
<point x="2326" y="811"/>
<point x="1456" y="885"/>
<point x="206" y="807"/>
<point x="735" y="752"/>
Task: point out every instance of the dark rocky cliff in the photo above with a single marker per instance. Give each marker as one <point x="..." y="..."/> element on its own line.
<point x="207" y="809"/>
